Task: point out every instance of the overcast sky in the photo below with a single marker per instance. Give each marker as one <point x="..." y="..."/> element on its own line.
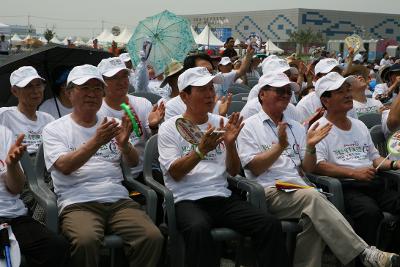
<point x="84" y="17"/>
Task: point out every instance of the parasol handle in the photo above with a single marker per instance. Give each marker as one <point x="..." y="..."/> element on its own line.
<point x="380" y="164"/>
<point x="128" y="112"/>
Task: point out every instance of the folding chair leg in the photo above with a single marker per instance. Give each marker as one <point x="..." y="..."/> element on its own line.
<point x="239" y="254"/>
<point x="112" y="257"/>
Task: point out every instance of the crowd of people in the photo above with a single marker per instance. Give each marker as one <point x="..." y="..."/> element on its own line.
<point x="299" y="118"/>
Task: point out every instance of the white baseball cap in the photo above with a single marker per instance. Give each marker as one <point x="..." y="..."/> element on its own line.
<point x="330" y="82"/>
<point x="81" y="74"/>
<point x="197" y="76"/>
<point x="325" y="65"/>
<point x="225" y="61"/>
<point x="110" y="66"/>
<point x="125" y="57"/>
<point x="275" y="65"/>
<point x="358" y="57"/>
<point x="277" y="80"/>
<point x="24" y="75"/>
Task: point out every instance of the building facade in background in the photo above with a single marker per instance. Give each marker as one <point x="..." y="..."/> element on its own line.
<point x="278" y="24"/>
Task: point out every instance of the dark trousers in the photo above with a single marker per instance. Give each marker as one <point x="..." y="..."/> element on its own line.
<point x="365" y="202"/>
<point x="196" y="218"/>
<point x="40" y="246"/>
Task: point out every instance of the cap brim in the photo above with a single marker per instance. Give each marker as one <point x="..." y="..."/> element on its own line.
<point x="27" y="80"/>
<point x="338" y="84"/>
<point x="218" y="79"/>
<point x="112" y="72"/>
<point x="327" y="69"/>
<point x="83" y="80"/>
<point x="294" y="86"/>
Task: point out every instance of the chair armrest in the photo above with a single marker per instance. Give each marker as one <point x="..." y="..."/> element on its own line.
<point x="150" y="196"/>
<point x="256" y="194"/>
<point x="148" y="193"/>
<point x="169" y="205"/>
<point x="43" y="195"/>
<point x="334" y="187"/>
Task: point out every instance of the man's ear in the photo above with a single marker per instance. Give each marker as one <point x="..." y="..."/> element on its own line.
<point x="14" y="91"/>
<point x="184" y="96"/>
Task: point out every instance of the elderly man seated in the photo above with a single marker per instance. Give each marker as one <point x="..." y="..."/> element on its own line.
<point x="273" y="147"/>
<point x="83" y="151"/>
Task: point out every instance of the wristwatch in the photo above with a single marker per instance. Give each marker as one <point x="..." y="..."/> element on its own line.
<point x="198" y="153"/>
<point x="393" y="165"/>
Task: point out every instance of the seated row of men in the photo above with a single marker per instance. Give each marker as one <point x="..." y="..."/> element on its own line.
<point x="83" y="150"/>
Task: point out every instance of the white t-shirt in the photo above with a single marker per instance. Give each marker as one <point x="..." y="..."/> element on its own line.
<point x="353" y="148"/>
<point x="207" y="179"/>
<point x="253" y="92"/>
<point x="11" y="206"/>
<point x="386" y="131"/>
<point x="384" y="62"/>
<point x="385" y="128"/>
<point x="155" y="88"/>
<point x="49" y="106"/>
<point x="142" y="107"/>
<point x="258" y="135"/>
<point x="99" y="179"/>
<point x="380" y="89"/>
<point x="253" y="107"/>
<point x="18" y="123"/>
<point x="229" y="79"/>
<point x="310" y="103"/>
<point x="371" y="106"/>
<point x="175" y="106"/>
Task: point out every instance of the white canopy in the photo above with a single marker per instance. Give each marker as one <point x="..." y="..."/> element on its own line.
<point x="105" y="37"/>
<point x="42" y="39"/>
<point x="194" y="33"/>
<point x="55" y="40"/>
<point x="15" y="39"/>
<point x="4" y="28"/>
<point x="206" y="37"/>
<point x="271" y="48"/>
<point x="79" y="42"/>
<point x="90" y="42"/>
<point x="123" y="37"/>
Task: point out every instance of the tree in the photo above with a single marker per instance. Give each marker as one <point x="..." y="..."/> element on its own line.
<point x="305" y="37"/>
<point x="49" y="34"/>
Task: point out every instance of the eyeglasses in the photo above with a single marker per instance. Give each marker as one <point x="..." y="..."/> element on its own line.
<point x="95" y="89"/>
<point x="281" y="91"/>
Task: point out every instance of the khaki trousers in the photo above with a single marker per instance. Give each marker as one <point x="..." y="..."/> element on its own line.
<point x="84" y="225"/>
<point x="322" y="224"/>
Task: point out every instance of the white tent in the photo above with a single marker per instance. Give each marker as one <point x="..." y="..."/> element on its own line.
<point x="65" y="41"/>
<point x="28" y="37"/>
<point x="194" y="33"/>
<point x="271" y="48"/>
<point x="105" y="37"/>
<point x="90" y="42"/>
<point x="42" y="39"/>
<point x="16" y="40"/>
<point x="79" y="42"/>
<point x="4" y="28"/>
<point x="55" y="40"/>
<point x="123" y="37"/>
<point x="206" y="37"/>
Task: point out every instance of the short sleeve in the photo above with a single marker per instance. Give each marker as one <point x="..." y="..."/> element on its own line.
<point x="247" y="145"/>
<point x="168" y="146"/>
<point x="54" y="146"/>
